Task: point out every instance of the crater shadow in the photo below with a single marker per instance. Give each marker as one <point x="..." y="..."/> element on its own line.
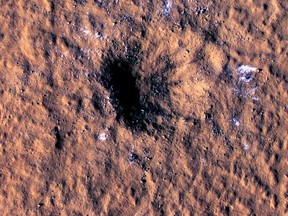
<point x="119" y="78"/>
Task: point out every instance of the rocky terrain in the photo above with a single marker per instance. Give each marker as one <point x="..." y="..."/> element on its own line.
<point x="115" y="107"/>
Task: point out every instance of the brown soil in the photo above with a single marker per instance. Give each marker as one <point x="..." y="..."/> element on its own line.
<point x="115" y="107"/>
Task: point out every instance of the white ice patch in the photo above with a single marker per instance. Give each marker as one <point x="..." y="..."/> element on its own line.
<point x="245" y="85"/>
<point x="243" y="69"/>
<point x="245" y="73"/>
<point x="235" y="122"/>
<point x="246" y="146"/>
<point x="102" y="136"/>
<point x="167" y="7"/>
<point x="90" y="34"/>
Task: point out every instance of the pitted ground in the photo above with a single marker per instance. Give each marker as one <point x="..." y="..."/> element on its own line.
<point x="130" y="108"/>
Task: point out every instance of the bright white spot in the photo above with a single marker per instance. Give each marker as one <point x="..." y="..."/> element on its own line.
<point x="102" y="136"/>
<point x="90" y="34"/>
<point x="243" y="69"/>
<point x="246" y="85"/>
<point x="245" y="72"/>
<point x="85" y="31"/>
<point x="252" y="91"/>
<point x="167" y="7"/>
<point x="246" y="146"/>
<point x="235" y="122"/>
<point x="203" y="161"/>
<point x="246" y="68"/>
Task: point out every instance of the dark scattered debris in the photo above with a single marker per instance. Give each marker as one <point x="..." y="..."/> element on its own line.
<point x="50" y="79"/>
<point x="1" y="36"/>
<point x="40" y="204"/>
<point x="134" y="158"/>
<point x="135" y="195"/>
<point x="158" y="206"/>
<point x="275" y="71"/>
<point x="211" y="35"/>
<point x="208" y="116"/>
<point x="108" y="167"/>
<point x="143" y="32"/>
<point x="158" y="85"/>
<point x="216" y="129"/>
<point x="75" y="49"/>
<point x="146" y="153"/>
<point x="201" y="10"/>
<point x="199" y="56"/>
<point x="96" y="24"/>
<point x="275" y="174"/>
<point x="259" y="181"/>
<point x="53" y="37"/>
<point x="141" y="161"/>
<point x="50" y="103"/>
<point x="226" y="210"/>
<point x="143" y="181"/>
<point x="128" y="19"/>
<point x="59" y="139"/>
<point x="132" y="191"/>
<point x="187" y="143"/>
<point x="276" y="201"/>
<point x="98" y="102"/>
<point x="207" y="180"/>
<point x="146" y="18"/>
<point x="46" y="53"/>
<point x="136" y="2"/>
<point x="53" y="12"/>
<point x="80" y="105"/>
<point x="81" y="2"/>
<point x="92" y="193"/>
<point x="105" y="4"/>
<point x="26" y="67"/>
<point x="226" y="75"/>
